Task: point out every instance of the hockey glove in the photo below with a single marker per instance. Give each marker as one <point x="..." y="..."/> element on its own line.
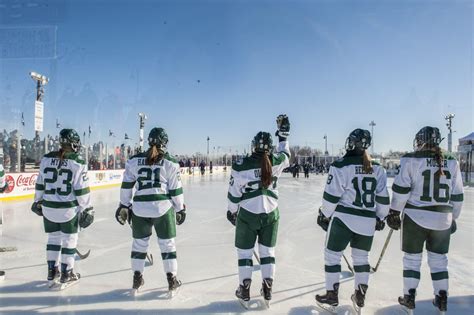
<point x="181" y="216"/>
<point x="283" y="125"/>
<point x="323" y="221"/>
<point x="393" y="220"/>
<point x="124" y="214"/>
<point x="379" y="224"/>
<point x="232" y="217"/>
<point x="37" y="208"/>
<point x="454" y="227"/>
<point x="86" y="217"/>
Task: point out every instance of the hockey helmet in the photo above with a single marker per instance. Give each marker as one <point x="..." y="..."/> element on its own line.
<point x="262" y="142"/>
<point x="69" y="140"/>
<point x="359" y="139"/>
<point x="427" y="138"/>
<point x="159" y="138"/>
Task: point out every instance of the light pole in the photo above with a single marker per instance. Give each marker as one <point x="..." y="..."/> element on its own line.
<point x="142" y="118"/>
<point x="41" y="81"/>
<point x="449" y="124"/>
<point x="326" y="145"/>
<point x="208" y="149"/>
<point x="372" y="124"/>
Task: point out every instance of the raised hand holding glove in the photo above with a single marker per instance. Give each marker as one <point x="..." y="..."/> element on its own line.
<point x="283" y="126"/>
<point x="123" y="214"/>
<point x="181" y="216"/>
<point x="232" y="217"/>
<point x="454" y="227"/>
<point x="37" y="208"/>
<point x="379" y="224"/>
<point x="393" y="220"/>
<point x="86" y="217"/>
<point x="323" y="221"/>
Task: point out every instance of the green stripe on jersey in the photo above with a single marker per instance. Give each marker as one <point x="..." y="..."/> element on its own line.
<point x="457" y="197"/>
<point x="39" y="187"/>
<point x="154" y="197"/>
<point x="434" y="208"/>
<point x="279" y="158"/>
<point x="350" y="160"/>
<point x="232" y="198"/>
<point x="382" y="200"/>
<point x="357" y="212"/>
<point x="2" y="173"/>
<point x="81" y="192"/>
<point x="259" y="192"/>
<point x="175" y="192"/>
<point x="400" y="189"/>
<point x="330" y="198"/>
<point x="60" y="204"/>
<point x="127" y="185"/>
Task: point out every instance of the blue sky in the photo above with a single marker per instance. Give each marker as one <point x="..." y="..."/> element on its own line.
<point x="331" y="66"/>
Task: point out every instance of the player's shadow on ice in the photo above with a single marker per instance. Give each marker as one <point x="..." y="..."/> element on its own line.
<point x="458" y="305"/>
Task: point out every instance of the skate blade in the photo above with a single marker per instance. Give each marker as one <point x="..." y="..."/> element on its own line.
<point x="267" y="303"/>
<point x="245" y="304"/>
<point x="172" y="293"/>
<point x="134" y="292"/>
<point x="329" y="308"/>
<point x="52" y="283"/>
<point x="408" y="310"/>
<point x="63" y="286"/>
<point x="356" y="307"/>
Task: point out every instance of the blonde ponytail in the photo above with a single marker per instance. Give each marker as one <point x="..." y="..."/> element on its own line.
<point x="154" y="155"/>
<point x="266" y="171"/>
<point x="367" y="163"/>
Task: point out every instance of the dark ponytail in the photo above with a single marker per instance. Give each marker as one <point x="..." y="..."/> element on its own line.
<point x="154" y="155"/>
<point x="439" y="159"/>
<point x="62" y="153"/>
<point x="266" y="171"/>
<point x="367" y="163"/>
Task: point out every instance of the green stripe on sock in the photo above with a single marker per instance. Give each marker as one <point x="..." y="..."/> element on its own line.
<point x="245" y="263"/>
<point x="332" y="269"/>
<point x="362" y="268"/>
<point x="411" y="274"/>
<point x="55" y="248"/>
<point x="439" y="275"/>
<point x="382" y="200"/>
<point x="267" y="260"/>
<point x="171" y="255"/>
<point x="138" y="255"/>
<point x="68" y="251"/>
<point x="400" y="189"/>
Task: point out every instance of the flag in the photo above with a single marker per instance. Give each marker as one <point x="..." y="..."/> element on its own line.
<point x="90" y="131"/>
<point x="22" y="119"/>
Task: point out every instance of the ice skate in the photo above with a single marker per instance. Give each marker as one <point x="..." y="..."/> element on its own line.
<point x="408" y="301"/>
<point x="358" y="298"/>
<point x="53" y="276"/>
<point x="266" y="291"/>
<point x="138" y="282"/>
<point x="243" y="293"/>
<point x="173" y="285"/>
<point x="68" y="278"/>
<point x="441" y="302"/>
<point x="330" y="300"/>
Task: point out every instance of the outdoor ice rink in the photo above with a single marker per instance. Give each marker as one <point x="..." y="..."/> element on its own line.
<point x="208" y="263"/>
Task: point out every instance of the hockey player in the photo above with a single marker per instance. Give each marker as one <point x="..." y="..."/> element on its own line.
<point x="158" y="204"/>
<point x="3" y="185"/>
<point x="62" y="197"/>
<point x="355" y="204"/>
<point x="428" y="191"/>
<point x="253" y="207"/>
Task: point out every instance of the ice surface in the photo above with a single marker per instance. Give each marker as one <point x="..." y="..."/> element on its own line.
<point x="208" y="263"/>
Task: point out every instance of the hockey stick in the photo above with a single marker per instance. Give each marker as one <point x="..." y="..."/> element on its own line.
<point x="8" y="249"/>
<point x="348" y="264"/>
<point x="256" y="256"/>
<point x="374" y="269"/>
<point x="83" y="256"/>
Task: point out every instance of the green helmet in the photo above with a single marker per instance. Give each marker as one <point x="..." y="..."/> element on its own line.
<point x="427" y="138"/>
<point x="262" y="142"/>
<point x="359" y="139"/>
<point x="69" y="140"/>
<point x="159" y="138"/>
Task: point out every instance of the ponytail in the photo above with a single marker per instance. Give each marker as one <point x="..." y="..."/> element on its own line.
<point x="154" y="155"/>
<point x="62" y="153"/>
<point x="439" y="159"/>
<point x="367" y="163"/>
<point x="266" y="171"/>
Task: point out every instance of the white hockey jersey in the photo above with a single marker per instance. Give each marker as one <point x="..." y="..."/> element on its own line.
<point x="3" y="182"/>
<point x="245" y="187"/>
<point x="63" y="187"/>
<point x="355" y="197"/>
<point x="157" y="187"/>
<point x="431" y="200"/>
